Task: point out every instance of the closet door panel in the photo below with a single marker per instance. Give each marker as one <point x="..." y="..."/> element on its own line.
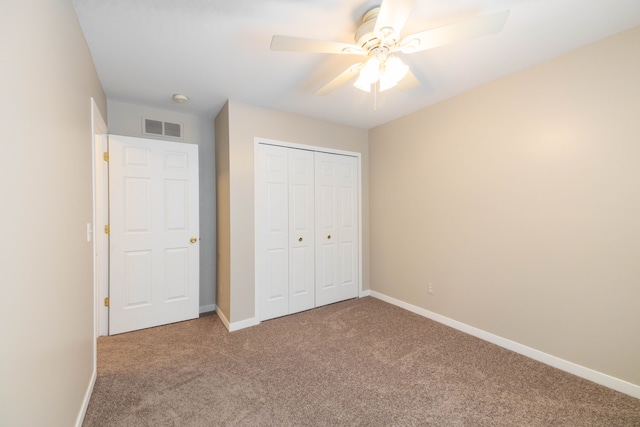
<point x="272" y="227"/>
<point x="336" y="228"/>
<point x="276" y="276"/>
<point x="326" y="229"/>
<point x="301" y="230"/>
<point x="307" y="239"/>
<point x="347" y="211"/>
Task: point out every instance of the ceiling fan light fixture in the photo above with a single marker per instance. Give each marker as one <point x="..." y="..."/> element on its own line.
<point x="380" y="35"/>
<point x="387" y="82"/>
<point x="395" y="68"/>
<point x="369" y="74"/>
<point x="389" y="72"/>
<point x="362" y="85"/>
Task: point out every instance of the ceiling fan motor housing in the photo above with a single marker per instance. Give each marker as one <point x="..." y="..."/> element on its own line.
<point x="368" y="41"/>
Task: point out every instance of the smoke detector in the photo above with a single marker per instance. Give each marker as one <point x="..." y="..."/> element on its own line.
<point x="179" y="98"/>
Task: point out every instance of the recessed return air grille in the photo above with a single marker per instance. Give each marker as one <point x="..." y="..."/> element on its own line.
<point x="158" y="127"/>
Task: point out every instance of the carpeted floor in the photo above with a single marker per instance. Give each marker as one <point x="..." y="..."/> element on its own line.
<point x="361" y="362"/>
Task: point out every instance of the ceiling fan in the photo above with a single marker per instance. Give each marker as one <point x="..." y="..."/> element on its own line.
<point x="378" y="39"/>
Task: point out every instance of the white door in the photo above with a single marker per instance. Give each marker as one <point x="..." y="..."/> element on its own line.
<point x="301" y="230"/>
<point x="336" y="192"/>
<point x="153" y="218"/>
<point x="272" y="247"/>
<point x="284" y="230"/>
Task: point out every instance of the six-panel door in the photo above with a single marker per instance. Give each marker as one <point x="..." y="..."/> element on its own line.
<point x="154" y="250"/>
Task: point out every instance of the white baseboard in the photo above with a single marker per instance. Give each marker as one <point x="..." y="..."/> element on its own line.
<point x="87" y="398"/>
<point x="253" y="321"/>
<point x="564" y="365"/>
<point x="207" y="308"/>
<point x="236" y="326"/>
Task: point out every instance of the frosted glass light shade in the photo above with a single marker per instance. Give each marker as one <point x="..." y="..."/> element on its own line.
<point x="395" y="68"/>
<point x="362" y="85"/>
<point x="389" y="72"/>
<point x="387" y="82"/>
<point x="369" y="74"/>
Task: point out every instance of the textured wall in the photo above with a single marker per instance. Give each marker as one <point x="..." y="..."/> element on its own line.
<point x="519" y="201"/>
<point x="223" y="212"/>
<point x="245" y="123"/>
<point x="46" y="263"/>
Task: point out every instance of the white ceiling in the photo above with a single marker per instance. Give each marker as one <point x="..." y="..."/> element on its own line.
<point x="214" y="50"/>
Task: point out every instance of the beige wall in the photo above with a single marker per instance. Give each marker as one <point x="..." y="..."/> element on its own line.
<point x="245" y="123"/>
<point x="126" y="119"/>
<point x="520" y="202"/>
<point x="46" y="273"/>
<point x="223" y="219"/>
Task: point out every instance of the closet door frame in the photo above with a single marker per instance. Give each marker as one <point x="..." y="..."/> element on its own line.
<point x="256" y="142"/>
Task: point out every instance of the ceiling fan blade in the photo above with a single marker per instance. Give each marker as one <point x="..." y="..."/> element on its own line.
<point x="339" y="80"/>
<point x="392" y="15"/>
<point x="409" y="81"/>
<point x="460" y="31"/>
<point x="299" y="44"/>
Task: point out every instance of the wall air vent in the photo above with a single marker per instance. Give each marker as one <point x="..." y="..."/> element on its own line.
<point x="160" y="128"/>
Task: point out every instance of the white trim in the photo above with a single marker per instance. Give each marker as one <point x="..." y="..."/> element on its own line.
<point x="365" y="293"/>
<point x="99" y="130"/>
<point x="207" y="308"/>
<point x="98" y="135"/>
<point x="85" y="401"/>
<point x="236" y="326"/>
<point x="259" y="140"/>
<point x="256" y="185"/>
<point x="101" y="191"/>
<point x="548" y="359"/>
<point x="98" y="126"/>
<point x="359" y="184"/>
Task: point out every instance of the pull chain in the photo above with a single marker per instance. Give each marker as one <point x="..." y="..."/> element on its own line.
<point x="375" y="96"/>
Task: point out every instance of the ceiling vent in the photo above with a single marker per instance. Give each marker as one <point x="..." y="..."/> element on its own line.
<point x="158" y="127"/>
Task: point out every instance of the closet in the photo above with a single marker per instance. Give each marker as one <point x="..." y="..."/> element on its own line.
<point x="306" y="229"/>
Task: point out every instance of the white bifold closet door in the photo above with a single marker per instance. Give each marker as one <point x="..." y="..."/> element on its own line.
<point x="285" y="218"/>
<point x="336" y="228"/>
<point x="306" y="229"/>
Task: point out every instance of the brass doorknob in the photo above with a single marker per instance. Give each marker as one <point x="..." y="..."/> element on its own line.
<point x="193" y="239"/>
<point x="329" y="236"/>
<point x="299" y="239"/>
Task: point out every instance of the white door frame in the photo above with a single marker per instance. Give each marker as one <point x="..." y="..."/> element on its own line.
<point x="259" y="140"/>
<point x="102" y="239"/>
<point x="98" y="146"/>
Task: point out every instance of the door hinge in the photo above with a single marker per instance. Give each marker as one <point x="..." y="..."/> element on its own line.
<point x="105" y="156"/>
<point x="107" y="229"/>
<point x="106" y="302"/>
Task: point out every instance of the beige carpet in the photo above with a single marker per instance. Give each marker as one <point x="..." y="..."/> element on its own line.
<point x="361" y="362"/>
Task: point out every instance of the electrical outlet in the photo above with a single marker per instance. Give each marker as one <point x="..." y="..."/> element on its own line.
<point x="430" y="288"/>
